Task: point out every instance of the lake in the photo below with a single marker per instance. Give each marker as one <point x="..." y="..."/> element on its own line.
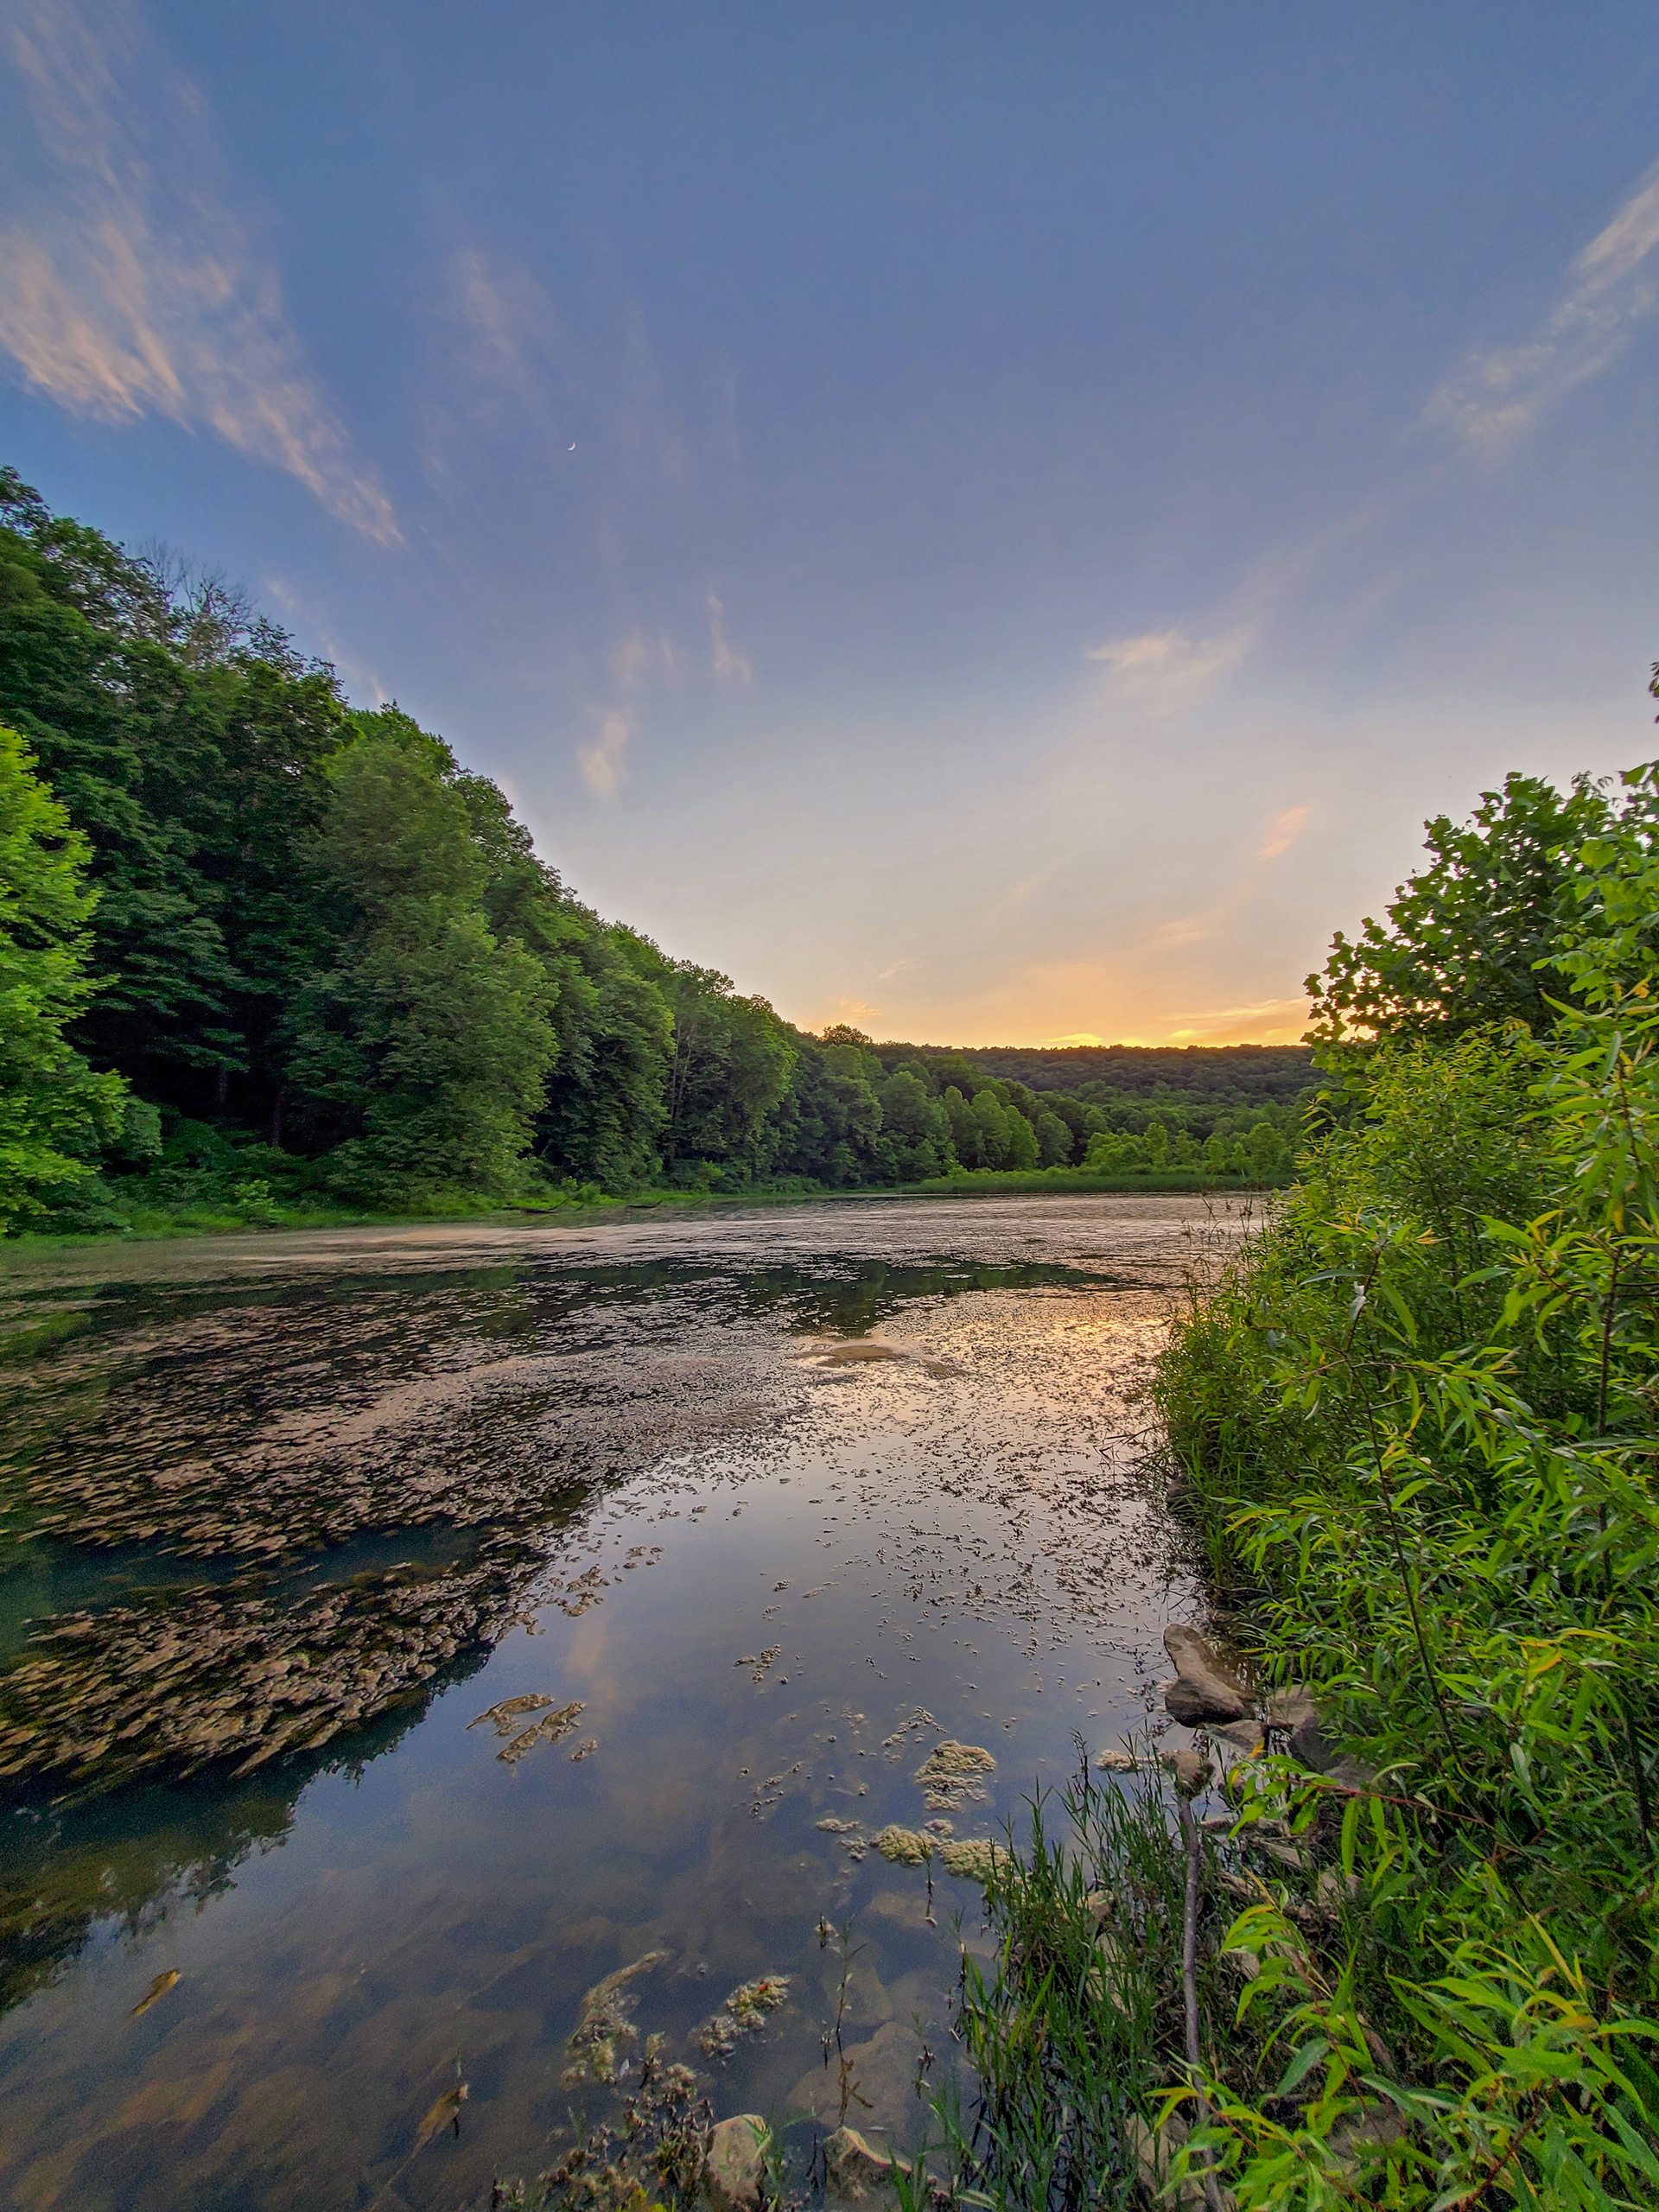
<point x="738" y="1517"/>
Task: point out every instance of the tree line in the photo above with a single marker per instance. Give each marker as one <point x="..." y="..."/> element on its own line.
<point x="257" y="943"/>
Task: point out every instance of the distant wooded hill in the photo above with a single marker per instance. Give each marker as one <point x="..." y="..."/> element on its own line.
<point x="1232" y="1075"/>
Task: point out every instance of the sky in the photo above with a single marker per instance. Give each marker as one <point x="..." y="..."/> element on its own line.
<point x="996" y="523"/>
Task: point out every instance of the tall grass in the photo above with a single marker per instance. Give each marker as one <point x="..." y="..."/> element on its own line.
<point x="1418" y="1420"/>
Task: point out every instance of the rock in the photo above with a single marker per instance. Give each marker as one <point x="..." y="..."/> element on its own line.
<point x="882" y="2072"/>
<point x="1371" y="2129"/>
<point x="734" y="2172"/>
<point x="1288" y="1708"/>
<point x="1310" y="1744"/>
<point x="1191" y="1773"/>
<point x="1153" y="2149"/>
<point x="1246" y="1736"/>
<point x="1319" y="1751"/>
<point x="856" y="2168"/>
<point x="1186" y="1702"/>
<point x="1209" y="1683"/>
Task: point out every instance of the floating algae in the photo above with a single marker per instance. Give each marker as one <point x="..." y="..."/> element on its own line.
<point x="974" y="1858"/>
<point x="159" y="1987"/>
<point x="598" y="2048"/>
<point x="948" y="1774"/>
<point x="242" y="1671"/>
<point x="742" y="2016"/>
<point x="760" y="1661"/>
<point x="503" y="1717"/>
<point x="904" y="1847"/>
<point x="548" y="1729"/>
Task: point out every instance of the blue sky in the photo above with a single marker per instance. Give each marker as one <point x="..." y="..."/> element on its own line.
<point x="996" y="522"/>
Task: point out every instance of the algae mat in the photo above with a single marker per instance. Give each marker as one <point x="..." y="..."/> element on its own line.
<point x="485" y="1651"/>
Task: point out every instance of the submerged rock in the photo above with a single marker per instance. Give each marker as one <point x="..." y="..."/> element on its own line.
<point x="881" y="2079"/>
<point x="855" y="2167"/>
<point x="734" y="2171"/>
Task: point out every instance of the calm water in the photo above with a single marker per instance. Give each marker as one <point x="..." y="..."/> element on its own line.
<point x="778" y="1499"/>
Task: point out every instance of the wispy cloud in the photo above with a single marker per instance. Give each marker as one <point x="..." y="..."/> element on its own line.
<point x="1496" y="398"/>
<point x="1165" y="672"/>
<point x="127" y="289"/>
<point x="729" y="665"/>
<point x="1269" y="1021"/>
<point x="602" y="761"/>
<point x="636" y="659"/>
<point x="1284" y="831"/>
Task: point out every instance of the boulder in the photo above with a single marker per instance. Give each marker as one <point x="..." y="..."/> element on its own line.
<point x="882" y="2075"/>
<point x="1319" y="1752"/>
<point x="734" y="2172"/>
<point x="1154" y="2150"/>
<point x="1210" y="1689"/>
<point x="855" y="2169"/>
<point x="1246" y="1736"/>
<point x="1191" y="1773"/>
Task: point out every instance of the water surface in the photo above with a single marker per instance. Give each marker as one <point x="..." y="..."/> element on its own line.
<point x="777" y="1499"/>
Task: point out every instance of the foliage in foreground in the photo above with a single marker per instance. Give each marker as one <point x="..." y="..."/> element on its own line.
<point x="1418" y="1422"/>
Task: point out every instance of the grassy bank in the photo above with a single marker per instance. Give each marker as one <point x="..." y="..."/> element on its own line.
<point x="1414" y="1433"/>
<point x="967" y="1182"/>
<point x="112" y="1215"/>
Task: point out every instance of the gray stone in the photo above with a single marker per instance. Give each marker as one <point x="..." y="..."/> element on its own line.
<point x="1211" y="1687"/>
<point x="1319" y="1752"/>
<point x="1244" y="1736"/>
<point x="856" y="2170"/>
<point x="1191" y="1773"/>
<point x="1287" y="1708"/>
<point x="734" y="2172"/>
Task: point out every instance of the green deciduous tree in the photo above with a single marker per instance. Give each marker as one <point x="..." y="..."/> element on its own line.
<point x="1471" y="938"/>
<point x="427" y="1031"/>
<point x="51" y="1104"/>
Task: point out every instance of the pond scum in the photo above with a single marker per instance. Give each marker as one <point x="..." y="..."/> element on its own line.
<point x="1415" y="1964"/>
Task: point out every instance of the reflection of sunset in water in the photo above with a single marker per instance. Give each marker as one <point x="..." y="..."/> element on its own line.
<point x="562" y="1597"/>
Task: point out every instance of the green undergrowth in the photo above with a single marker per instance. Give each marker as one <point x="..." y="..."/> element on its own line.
<point x="1416" y="1423"/>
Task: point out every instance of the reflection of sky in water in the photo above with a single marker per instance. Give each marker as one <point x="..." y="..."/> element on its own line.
<point x="957" y="1529"/>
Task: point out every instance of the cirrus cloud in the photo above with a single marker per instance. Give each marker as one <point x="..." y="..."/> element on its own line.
<point x="126" y="287"/>
<point x="1496" y="398"/>
<point x="1165" y="672"/>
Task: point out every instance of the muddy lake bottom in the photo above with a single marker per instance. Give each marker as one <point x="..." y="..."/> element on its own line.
<point x="740" y="1516"/>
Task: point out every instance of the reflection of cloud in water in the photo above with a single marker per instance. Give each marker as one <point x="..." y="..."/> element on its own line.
<point x="975" y="1540"/>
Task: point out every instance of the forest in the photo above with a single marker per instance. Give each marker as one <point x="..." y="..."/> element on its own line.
<point x="263" y="953"/>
